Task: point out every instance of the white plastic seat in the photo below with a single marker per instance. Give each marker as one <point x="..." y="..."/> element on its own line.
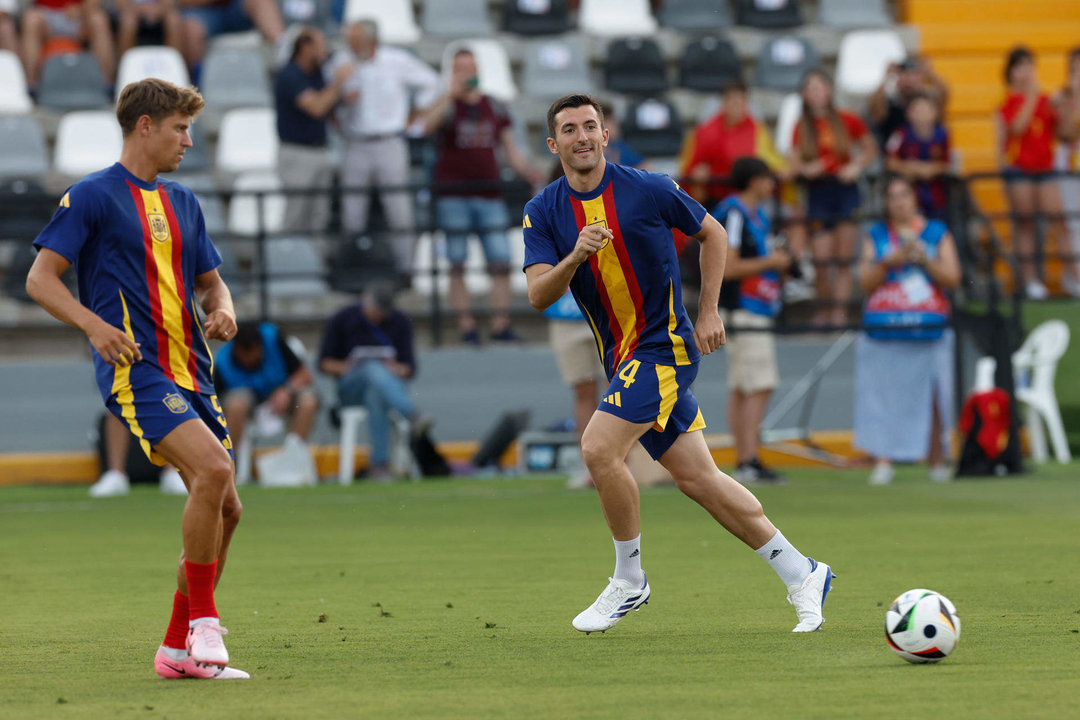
<point x="1035" y="368"/>
<point x="150" y="61"/>
<point x="244" y="216"/>
<point x="87" y="141"/>
<point x="863" y="58"/>
<point x="616" y="18"/>
<point x="395" y="19"/>
<point x="493" y="65"/>
<point x="402" y="461"/>
<point x="248" y="140"/>
<point x="14" y="99"/>
<point x="235" y="77"/>
<point x="790" y="110"/>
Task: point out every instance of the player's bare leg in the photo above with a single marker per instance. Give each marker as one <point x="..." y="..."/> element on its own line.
<point x="740" y="513"/>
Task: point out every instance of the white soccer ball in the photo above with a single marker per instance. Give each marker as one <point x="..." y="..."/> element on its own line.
<point x="922" y="626"/>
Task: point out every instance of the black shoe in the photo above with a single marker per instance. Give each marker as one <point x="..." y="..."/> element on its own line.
<point x="764" y="474"/>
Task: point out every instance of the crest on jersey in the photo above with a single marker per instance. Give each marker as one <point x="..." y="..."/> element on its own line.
<point x="176" y="403"/>
<point x="159" y="226"/>
<point x="602" y="223"/>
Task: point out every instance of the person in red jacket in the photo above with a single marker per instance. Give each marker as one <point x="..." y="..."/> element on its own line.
<point x="1026" y="124"/>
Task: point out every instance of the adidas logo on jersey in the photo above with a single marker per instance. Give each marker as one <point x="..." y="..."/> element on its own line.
<point x="614" y="399"/>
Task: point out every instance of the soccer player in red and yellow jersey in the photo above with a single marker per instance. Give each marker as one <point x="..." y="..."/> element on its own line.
<point x="604" y="231"/>
<point x="145" y="266"/>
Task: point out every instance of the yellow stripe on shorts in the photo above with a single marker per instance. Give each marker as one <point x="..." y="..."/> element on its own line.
<point x="669" y="393"/>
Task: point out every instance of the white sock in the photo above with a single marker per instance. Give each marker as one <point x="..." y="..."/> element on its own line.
<point x="790" y="564"/>
<point x="175" y="654"/>
<point x="199" y="621"/>
<point x="628" y="561"/>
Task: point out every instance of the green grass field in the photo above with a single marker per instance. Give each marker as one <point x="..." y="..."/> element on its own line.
<point x="454" y="599"/>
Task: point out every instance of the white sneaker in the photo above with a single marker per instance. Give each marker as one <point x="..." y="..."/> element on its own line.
<point x="809" y="596"/>
<point x="1035" y="290"/>
<point x="112" y="483"/>
<point x="618" y="598"/>
<point x="171" y="483"/>
<point x="882" y="474"/>
<point x="797" y="290"/>
<point x="205" y="644"/>
<point x="941" y="473"/>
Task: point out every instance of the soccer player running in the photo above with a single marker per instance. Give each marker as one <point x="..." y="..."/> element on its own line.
<point x="143" y="261"/>
<point x="604" y="231"/>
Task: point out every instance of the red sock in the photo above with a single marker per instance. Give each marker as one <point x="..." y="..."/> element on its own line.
<point x="176" y="635"/>
<point x="200" y="581"/>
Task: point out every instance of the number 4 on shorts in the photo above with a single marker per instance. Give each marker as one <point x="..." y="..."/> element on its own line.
<point x="628" y="372"/>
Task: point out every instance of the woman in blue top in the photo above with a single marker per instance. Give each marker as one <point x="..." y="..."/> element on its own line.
<point x="903" y="361"/>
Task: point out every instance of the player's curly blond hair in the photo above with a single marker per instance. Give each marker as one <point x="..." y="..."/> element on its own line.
<point x="157" y="99"/>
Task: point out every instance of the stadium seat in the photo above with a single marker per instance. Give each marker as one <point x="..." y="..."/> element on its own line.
<point x="635" y="65"/>
<point x="394" y="19"/>
<point x="248" y="141"/>
<point x="318" y="13"/>
<point x="696" y="16"/>
<point x="235" y="78"/>
<point x="616" y="18"/>
<point x="790" y="110"/>
<point x="496" y="79"/>
<point x="244" y="216"/>
<point x="294" y="268"/>
<point x="851" y="14"/>
<point x="13" y="96"/>
<point x="22" y="147"/>
<point x="456" y="18"/>
<point x="151" y="61"/>
<point x="536" y="17"/>
<point x="864" y="58"/>
<point x="552" y="67"/>
<point x="768" y="14"/>
<point x="1035" y="367"/>
<point x="197" y="158"/>
<point x="402" y="461"/>
<point x="708" y="63"/>
<point x="652" y="127"/>
<point x="72" y="81"/>
<point x="86" y="141"/>
<point x="25" y="208"/>
<point x="783" y="61"/>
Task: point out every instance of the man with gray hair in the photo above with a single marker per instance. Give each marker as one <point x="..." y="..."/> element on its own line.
<point x="379" y="98"/>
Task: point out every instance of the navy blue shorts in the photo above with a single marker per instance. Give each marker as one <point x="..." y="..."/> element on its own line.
<point x="642" y="392"/>
<point x="829" y="202"/>
<point x="157" y="406"/>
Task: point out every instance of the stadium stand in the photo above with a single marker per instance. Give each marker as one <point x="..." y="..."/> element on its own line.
<point x="294" y="268"/>
<point x="616" y="18"/>
<point x="783" y="61"/>
<point x="13" y="95"/>
<point x="863" y="59"/>
<point x="248" y="140"/>
<point x="86" y="141"/>
<point x="157" y="61"/>
<point x="318" y="13"/>
<point x="853" y="14"/>
<point x="529" y="17"/>
<point x="696" y="16"/>
<point x="551" y="65"/>
<point x="395" y="19"/>
<point x="493" y="64"/>
<point x="22" y="148"/>
<point x="635" y="66"/>
<point x="456" y="18"/>
<point x="708" y="63"/>
<point x="72" y="81"/>
<point x="254" y="190"/>
<point x="235" y="78"/>
<point x="768" y="14"/>
<point x="653" y="128"/>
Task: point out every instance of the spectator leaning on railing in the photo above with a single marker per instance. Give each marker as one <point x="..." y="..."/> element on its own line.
<point x="1067" y="102"/>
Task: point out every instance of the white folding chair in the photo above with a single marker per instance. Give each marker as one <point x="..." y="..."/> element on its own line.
<point x="402" y="462"/>
<point x="1035" y="367"/>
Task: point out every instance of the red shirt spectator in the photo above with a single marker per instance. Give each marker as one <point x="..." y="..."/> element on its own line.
<point x="826" y="142"/>
<point x="467" y="140"/>
<point x="1033" y="151"/>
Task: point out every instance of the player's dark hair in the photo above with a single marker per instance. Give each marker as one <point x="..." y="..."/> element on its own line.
<point x="247" y="335"/>
<point x="157" y="99"/>
<point x="569" y="102"/>
<point x="747" y="169"/>
<point x="305" y="37"/>
<point x="1018" y="55"/>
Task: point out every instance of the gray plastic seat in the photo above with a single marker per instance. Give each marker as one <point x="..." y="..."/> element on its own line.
<point x="696" y="15"/>
<point x="536" y="17"/>
<point x="318" y="13"/>
<point x="72" y="81"/>
<point x="768" y="14"/>
<point x="635" y="65"/>
<point x="709" y="63"/>
<point x="554" y="67"/>
<point x="783" y="62"/>
<point x="851" y="14"/>
<point x="235" y="77"/>
<point x="22" y="148"/>
<point x="294" y="268"/>
<point x="456" y="18"/>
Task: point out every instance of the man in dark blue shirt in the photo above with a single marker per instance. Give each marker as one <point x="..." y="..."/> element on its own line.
<point x="303" y="101"/>
<point x="368" y="347"/>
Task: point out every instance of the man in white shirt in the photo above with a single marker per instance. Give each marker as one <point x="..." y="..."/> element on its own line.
<point x="378" y="102"/>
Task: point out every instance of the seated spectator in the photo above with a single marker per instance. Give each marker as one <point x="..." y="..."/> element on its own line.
<point x="82" y="22"/>
<point x="9" y="38"/>
<point x="903" y="81"/>
<point x="469" y="127"/>
<point x="619" y="151"/>
<point x="147" y="22"/>
<point x="257" y="374"/>
<point x="919" y="151"/>
<point x="303" y="101"/>
<point x="204" y="19"/>
<point x="368" y="347"/>
<point x="749" y="301"/>
<point x="1026" y="126"/>
<point x="1067" y="103"/>
<point x="830" y="150"/>
<point x="904" y="365"/>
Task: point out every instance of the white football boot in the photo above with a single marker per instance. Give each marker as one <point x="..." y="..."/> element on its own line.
<point x="618" y="598"/>
<point x="808" y="597"/>
<point x="205" y="644"/>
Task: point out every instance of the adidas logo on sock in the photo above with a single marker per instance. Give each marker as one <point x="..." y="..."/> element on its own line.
<point x="774" y="553"/>
<point x="635" y="553"/>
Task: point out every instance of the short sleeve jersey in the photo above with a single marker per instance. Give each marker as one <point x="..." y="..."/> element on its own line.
<point x="467" y="143"/>
<point x="1034" y="150"/>
<point x="826" y="140"/>
<point x="137" y="247"/>
<point x="629" y="291"/>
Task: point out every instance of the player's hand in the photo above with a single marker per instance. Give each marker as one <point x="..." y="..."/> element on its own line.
<point x="709" y="333"/>
<point x="220" y="325"/>
<point x="114" y="346"/>
<point x="589" y="241"/>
